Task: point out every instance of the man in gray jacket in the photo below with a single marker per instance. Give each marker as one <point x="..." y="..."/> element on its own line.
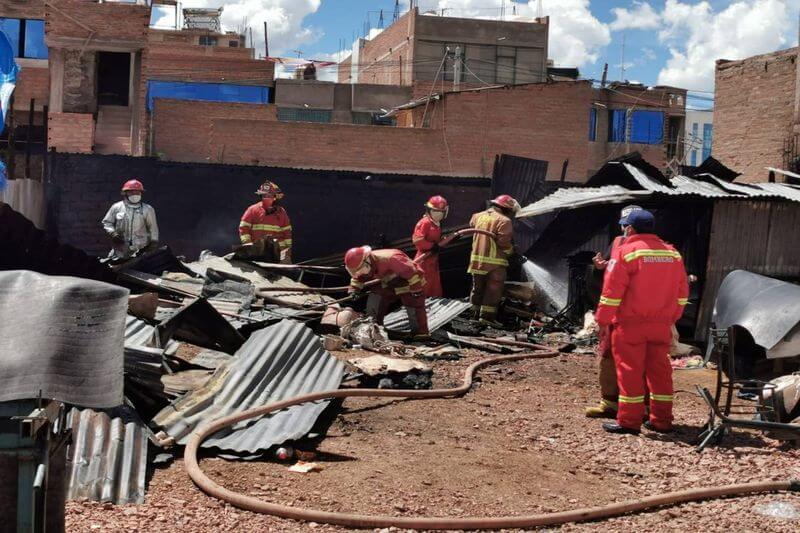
<point x="131" y="223"/>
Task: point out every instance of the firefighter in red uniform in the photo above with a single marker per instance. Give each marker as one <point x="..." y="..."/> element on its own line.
<point x="609" y="391"/>
<point x="266" y="220"/>
<point x="426" y="238"/>
<point x="400" y="279"/>
<point x="644" y="293"/>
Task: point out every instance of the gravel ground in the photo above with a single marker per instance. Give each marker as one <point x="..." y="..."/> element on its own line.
<point x="517" y="443"/>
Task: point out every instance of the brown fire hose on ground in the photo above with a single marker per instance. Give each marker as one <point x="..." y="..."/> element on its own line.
<point x="366" y="521"/>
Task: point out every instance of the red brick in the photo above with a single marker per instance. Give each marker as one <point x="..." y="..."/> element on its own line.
<point x="70" y="132"/>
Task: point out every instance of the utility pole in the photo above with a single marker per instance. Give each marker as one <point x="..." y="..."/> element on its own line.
<point x="457" y="69"/>
<point x="396" y="14"/>
<point x="502" y="9"/>
<point x="266" y="40"/>
<point x="605" y="76"/>
<point x="539" y="11"/>
<point x="380" y="20"/>
<point x="622" y="61"/>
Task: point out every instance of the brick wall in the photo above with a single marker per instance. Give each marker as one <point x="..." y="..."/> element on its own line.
<point x="199" y="205"/>
<point x="521" y="122"/>
<point x="77" y="19"/>
<point x="32" y="82"/>
<point x="387" y="58"/>
<point x="754" y="112"/>
<point x="22" y="9"/>
<point x="70" y="132"/>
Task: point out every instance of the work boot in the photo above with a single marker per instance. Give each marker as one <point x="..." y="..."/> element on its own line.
<point x="613" y="427"/>
<point x="605" y="409"/>
<point x="649" y="425"/>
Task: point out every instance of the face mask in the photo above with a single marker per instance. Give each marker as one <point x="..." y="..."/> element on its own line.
<point x="364" y="270"/>
<point x="267" y="202"/>
<point x="437" y="216"/>
<point x="626" y="230"/>
<point x="135" y="198"/>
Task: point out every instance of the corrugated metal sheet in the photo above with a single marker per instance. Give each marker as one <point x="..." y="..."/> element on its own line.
<point x="576" y="197"/>
<point x="107" y="460"/>
<point x="648" y="183"/>
<point x="441" y="311"/>
<point x="276" y="363"/>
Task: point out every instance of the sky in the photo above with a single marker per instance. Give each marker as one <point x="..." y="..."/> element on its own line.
<point x="666" y="42"/>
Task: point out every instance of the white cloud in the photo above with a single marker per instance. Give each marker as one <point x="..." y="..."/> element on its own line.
<point x="649" y="54"/>
<point x="697" y="36"/>
<point x="284" y="18"/>
<point x="641" y="17"/>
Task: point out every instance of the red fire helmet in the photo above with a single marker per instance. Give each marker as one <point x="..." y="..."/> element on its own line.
<point x="437" y="202"/>
<point x="133" y="185"/>
<point x="355" y="257"/>
<point x="506" y="202"/>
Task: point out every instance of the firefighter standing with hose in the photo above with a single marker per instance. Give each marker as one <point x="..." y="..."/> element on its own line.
<point x="267" y="221"/>
<point x="644" y="294"/>
<point x="400" y="279"/>
<point x="130" y="223"/>
<point x="427" y="238"/>
<point x="489" y="258"/>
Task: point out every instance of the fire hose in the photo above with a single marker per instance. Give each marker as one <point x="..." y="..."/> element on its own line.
<point x="250" y="503"/>
<point x="332" y="290"/>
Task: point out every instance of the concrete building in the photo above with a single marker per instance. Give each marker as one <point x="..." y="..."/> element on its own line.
<point x="344" y="103"/>
<point x="414" y="49"/>
<point x="757" y="114"/>
<point x="698" y="136"/>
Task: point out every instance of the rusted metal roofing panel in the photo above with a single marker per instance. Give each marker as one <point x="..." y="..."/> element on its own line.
<point x="441" y="311"/>
<point x="576" y="197"/>
<point x="107" y="460"/>
<point x="276" y="363"/>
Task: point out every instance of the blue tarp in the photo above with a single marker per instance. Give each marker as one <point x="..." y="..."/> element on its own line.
<point x="616" y="125"/>
<point x="647" y="127"/>
<point x="209" y="92"/>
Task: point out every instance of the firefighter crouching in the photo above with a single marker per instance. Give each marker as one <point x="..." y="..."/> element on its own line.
<point x="400" y="279"/>
<point x="130" y="223"/>
<point x="489" y="258"/>
<point x="426" y="238"/>
<point x="644" y="294"/>
<point x="266" y="220"/>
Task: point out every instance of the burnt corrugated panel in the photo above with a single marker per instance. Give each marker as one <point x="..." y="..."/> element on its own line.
<point x="441" y="311"/>
<point x="107" y="460"/>
<point x="576" y="197"/>
<point x="279" y="362"/>
<point x="139" y="333"/>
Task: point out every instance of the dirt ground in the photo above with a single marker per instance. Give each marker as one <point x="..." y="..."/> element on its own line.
<point x="517" y="443"/>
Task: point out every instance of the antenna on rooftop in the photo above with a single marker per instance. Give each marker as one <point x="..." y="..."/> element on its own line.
<point x="380" y="20"/>
<point x="539" y="11"/>
<point x="396" y="13"/>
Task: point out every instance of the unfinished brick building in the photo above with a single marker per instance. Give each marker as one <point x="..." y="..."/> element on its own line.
<point x="756" y="103"/>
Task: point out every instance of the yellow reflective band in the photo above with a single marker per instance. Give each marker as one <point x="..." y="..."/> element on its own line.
<point x="414" y="279"/>
<point x="286" y="228"/>
<point x="266" y="227"/>
<point x="356" y="284"/>
<point x="244" y="224"/>
<point x="661" y="397"/>
<point x="488" y="260"/>
<point x="402" y="290"/>
<point x="245" y="238"/>
<point x="476" y="271"/>
<point x="488" y="308"/>
<point x="683" y="301"/>
<point x="631" y="399"/>
<point x="650" y="253"/>
<point x="611" y="302"/>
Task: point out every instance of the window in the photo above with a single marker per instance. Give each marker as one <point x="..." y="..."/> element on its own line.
<point x="207" y="40"/>
<point x="694" y="158"/>
<point x="233" y="44"/>
<point x="294" y="114"/>
<point x="616" y="125"/>
<point x="708" y="131"/>
<point x="26" y="36"/>
<point x="505" y="65"/>
<point x="647" y="127"/>
<point x="592" y="124"/>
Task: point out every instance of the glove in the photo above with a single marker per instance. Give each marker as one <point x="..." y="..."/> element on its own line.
<point x="117" y="238"/>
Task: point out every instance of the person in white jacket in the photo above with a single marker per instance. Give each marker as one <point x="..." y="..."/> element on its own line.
<point x="130" y="223"/>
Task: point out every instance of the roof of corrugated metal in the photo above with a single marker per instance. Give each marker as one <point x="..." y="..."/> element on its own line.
<point x="441" y="311"/>
<point x="279" y="362"/>
<point x="107" y="460"/>
<point x="574" y="197"/>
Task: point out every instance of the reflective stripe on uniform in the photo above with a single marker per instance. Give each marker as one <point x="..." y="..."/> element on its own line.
<point x="266" y="227"/>
<point x="245" y="237"/>
<point x="244" y="224"/>
<point x="402" y="290"/>
<point x="356" y="284"/>
<point x="661" y="397"/>
<point x="651" y="253"/>
<point x="488" y="309"/>
<point x="611" y="302"/>
<point x="683" y="301"/>
<point x="286" y="228"/>
<point x="476" y="271"/>
<point x="488" y="260"/>
<point x="286" y="243"/>
<point x="414" y="279"/>
<point x="631" y="399"/>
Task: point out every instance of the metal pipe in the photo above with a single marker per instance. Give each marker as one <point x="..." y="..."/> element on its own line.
<point x="367" y="521"/>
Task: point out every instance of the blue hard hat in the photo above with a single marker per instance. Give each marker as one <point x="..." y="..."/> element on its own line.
<point x="640" y="219"/>
<point x="623" y="221"/>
